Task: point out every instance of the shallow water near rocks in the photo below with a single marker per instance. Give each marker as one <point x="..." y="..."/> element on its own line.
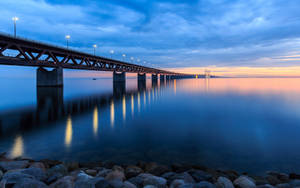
<point x="244" y="124"/>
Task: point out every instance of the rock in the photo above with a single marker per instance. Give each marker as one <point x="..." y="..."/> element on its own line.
<point x="50" y="163"/>
<point x="132" y="171"/>
<point x="71" y="166"/>
<point x="294" y="176"/>
<point x="273" y="180"/>
<point x="177" y="183"/>
<point x="13" y="165"/>
<point x="149" y="186"/>
<point x="65" y="182"/>
<point x="244" y="182"/>
<point x="115" y="175"/>
<point x="57" y="169"/>
<point x="13" y="177"/>
<point x="137" y="181"/>
<point x="186" y="177"/>
<point x="265" y="186"/>
<point x="37" y="165"/>
<point x="223" y="182"/>
<point x="260" y="180"/>
<point x="117" y="168"/>
<point x="149" y="179"/>
<point x="127" y="184"/>
<point x="199" y="175"/>
<point x="103" y="184"/>
<point x="295" y="183"/>
<point x="30" y="183"/>
<point x="283" y="185"/>
<point x="91" y="172"/>
<point x="104" y="172"/>
<point x="116" y="183"/>
<point x="156" y="169"/>
<point x="168" y="175"/>
<point x="38" y="173"/>
<point x="56" y="172"/>
<point x="204" y="184"/>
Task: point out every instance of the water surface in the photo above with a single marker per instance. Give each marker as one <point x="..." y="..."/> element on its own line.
<point x="248" y="124"/>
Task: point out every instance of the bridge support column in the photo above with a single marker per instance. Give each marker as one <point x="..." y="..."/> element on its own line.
<point x="141" y="81"/>
<point x="47" y="78"/>
<point x="168" y="77"/>
<point x="119" y="77"/>
<point x="154" y="78"/>
<point x="162" y="77"/>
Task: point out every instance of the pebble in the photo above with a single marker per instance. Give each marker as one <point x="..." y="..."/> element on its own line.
<point x="91" y="172"/>
<point x="177" y="183"/>
<point x="244" y="182"/>
<point x="127" y="184"/>
<point x="65" y="182"/>
<point x="37" y="173"/>
<point x="115" y="175"/>
<point x="149" y="179"/>
<point x="204" y="184"/>
<point x="132" y="171"/>
<point x="223" y="182"/>
<point x="30" y="183"/>
<point x="199" y="175"/>
<point x="13" y="165"/>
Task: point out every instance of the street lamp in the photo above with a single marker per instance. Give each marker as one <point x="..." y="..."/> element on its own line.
<point x="124" y="56"/>
<point x="15" y="19"/>
<point x="95" y="46"/>
<point x="68" y="38"/>
<point x="112" y="52"/>
<point x="132" y="58"/>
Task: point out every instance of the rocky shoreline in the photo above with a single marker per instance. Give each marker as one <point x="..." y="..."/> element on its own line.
<point x="23" y="173"/>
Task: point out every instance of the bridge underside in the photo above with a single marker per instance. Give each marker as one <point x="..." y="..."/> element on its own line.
<point x="22" y="52"/>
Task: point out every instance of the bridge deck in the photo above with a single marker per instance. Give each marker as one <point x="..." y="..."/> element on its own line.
<point x="32" y="53"/>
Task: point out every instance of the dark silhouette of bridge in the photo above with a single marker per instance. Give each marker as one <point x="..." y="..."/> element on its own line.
<point x="31" y="53"/>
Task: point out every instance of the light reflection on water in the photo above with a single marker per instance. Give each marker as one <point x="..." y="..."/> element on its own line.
<point x="244" y="124"/>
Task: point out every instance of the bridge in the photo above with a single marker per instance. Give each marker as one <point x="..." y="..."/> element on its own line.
<point x="32" y="53"/>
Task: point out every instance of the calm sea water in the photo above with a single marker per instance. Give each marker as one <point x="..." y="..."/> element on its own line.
<point x="249" y="124"/>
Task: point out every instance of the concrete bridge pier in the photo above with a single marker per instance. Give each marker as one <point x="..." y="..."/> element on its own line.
<point x="47" y="78"/>
<point x="154" y="78"/>
<point x="119" y="77"/>
<point x="141" y="81"/>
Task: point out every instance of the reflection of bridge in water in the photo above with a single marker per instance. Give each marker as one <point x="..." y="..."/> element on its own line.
<point x="51" y="106"/>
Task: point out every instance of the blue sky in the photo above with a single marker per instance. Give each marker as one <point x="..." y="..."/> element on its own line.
<point x="169" y="34"/>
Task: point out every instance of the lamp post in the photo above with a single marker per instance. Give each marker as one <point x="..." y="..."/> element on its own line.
<point x="68" y="38"/>
<point x="111" y="53"/>
<point x="124" y="56"/>
<point x="132" y="58"/>
<point x="15" y="19"/>
<point x="95" y="46"/>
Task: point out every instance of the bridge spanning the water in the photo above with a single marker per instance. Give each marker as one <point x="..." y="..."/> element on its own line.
<point x="31" y="53"/>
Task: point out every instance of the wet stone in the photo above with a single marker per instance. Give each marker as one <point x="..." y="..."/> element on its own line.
<point x="273" y="180"/>
<point x="13" y="177"/>
<point x="91" y="172"/>
<point x="13" y="165"/>
<point x="223" y="182"/>
<point x="283" y="185"/>
<point x="132" y="171"/>
<point x="295" y="183"/>
<point x="127" y="184"/>
<point x="65" y="182"/>
<point x="294" y="176"/>
<point x="57" y="169"/>
<point x="244" y="182"/>
<point x="115" y="175"/>
<point x="177" y="183"/>
<point x="265" y="186"/>
<point x="104" y="172"/>
<point x="186" y="177"/>
<point x="116" y="183"/>
<point x="103" y="184"/>
<point x="199" y="175"/>
<point x="37" y="173"/>
<point x="204" y="184"/>
<point x="30" y="183"/>
<point x="37" y="165"/>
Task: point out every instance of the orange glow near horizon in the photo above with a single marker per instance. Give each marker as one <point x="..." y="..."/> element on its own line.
<point x="243" y="71"/>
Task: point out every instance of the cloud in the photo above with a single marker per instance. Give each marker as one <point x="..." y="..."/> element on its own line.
<point x="178" y="33"/>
